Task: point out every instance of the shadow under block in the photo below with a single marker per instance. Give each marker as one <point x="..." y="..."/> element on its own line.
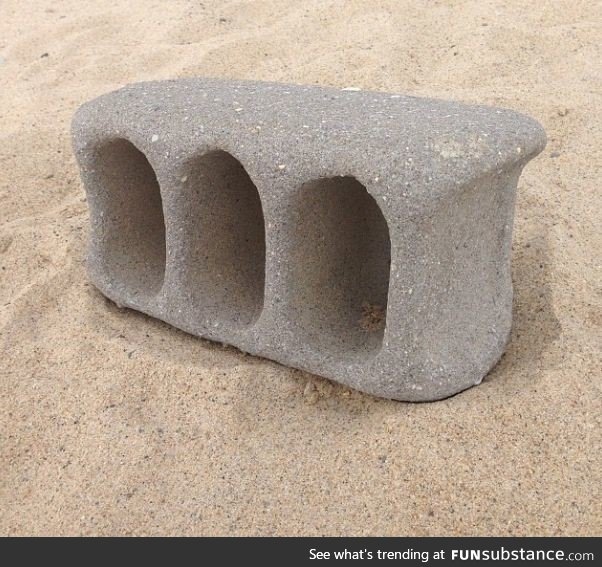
<point x="360" y="236"/>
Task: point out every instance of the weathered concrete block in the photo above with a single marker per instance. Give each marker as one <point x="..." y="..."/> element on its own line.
<point x="361" y="236"/>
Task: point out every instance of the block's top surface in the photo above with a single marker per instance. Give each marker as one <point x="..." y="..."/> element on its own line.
<point x="428" y="144"/>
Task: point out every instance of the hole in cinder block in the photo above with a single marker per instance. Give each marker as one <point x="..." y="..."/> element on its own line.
<point x="341" y="263"/>
<point x="223" y="241"/>
<point x="133" y="227"/>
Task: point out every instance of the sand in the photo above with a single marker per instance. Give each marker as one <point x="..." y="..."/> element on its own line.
<point x="114" y="423"/>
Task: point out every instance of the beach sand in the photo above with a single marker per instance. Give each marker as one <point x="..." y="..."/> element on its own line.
<point x="114" y="423"/>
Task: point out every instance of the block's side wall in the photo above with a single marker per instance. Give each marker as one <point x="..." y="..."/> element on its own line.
<point x="453" y="305"/>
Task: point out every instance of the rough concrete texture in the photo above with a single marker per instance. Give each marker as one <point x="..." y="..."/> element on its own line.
<point x="361" y="236"/>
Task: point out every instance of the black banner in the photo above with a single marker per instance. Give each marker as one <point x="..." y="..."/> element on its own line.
<point x="314" y="551"/>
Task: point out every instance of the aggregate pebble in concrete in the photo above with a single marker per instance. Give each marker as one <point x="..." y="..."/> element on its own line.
<point x="361" y="236"/>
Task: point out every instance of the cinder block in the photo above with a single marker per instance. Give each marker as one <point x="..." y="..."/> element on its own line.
<point x="357" y="235"/>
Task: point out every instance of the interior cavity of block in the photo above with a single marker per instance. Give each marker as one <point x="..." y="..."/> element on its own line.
<point x="221" y="237"/>
<point x="340" y="267"/>
<point x="132" y="226"/>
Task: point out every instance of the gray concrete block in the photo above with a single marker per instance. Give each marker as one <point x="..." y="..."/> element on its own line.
<point x="357" y="235"/>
